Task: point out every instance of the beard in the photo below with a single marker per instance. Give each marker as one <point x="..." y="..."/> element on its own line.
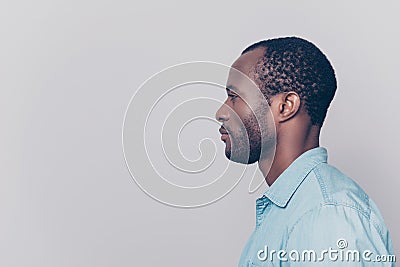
<point x="246" y="145"/>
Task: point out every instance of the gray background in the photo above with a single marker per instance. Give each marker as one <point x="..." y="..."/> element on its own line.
<point x="68" y="70"/>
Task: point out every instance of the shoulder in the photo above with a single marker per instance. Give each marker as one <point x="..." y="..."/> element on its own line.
<point x="331" y="226"/>
<point x="339" y="190"/>
<point x="343" y="209"/>
<point x="325" y="185"/>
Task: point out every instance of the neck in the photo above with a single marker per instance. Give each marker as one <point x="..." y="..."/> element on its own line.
<point x="290" y="145"/>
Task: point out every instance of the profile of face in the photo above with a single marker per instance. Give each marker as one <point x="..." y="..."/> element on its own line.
<point x="247" y="123"/>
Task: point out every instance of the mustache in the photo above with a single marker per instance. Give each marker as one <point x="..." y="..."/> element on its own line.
<point x="224" y="130"/>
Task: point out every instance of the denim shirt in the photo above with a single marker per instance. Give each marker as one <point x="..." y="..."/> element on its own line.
<point x="315" y="215"/>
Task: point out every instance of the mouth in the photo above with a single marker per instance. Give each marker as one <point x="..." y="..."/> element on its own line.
<point x="224" y="137"/>
<point x="222" y="130"/>
<point x="224" y="134"/>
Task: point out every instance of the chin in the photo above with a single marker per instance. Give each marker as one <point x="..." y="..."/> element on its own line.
<point x="253" y="158"/>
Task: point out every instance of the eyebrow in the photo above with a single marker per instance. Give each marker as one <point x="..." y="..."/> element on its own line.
<point x="232" y="88"/>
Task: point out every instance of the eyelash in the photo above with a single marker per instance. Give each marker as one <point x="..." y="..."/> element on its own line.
<point x="233" y="97"/>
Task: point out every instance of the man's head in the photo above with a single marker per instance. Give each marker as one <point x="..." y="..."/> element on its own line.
<point x="297" y="84"/>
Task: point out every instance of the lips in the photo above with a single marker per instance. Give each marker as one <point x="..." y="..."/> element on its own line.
<point x="224" y="134"/>
<point x="222" y="131"/>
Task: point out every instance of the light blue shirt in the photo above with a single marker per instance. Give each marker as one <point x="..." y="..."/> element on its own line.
<point x="311" y="211"/>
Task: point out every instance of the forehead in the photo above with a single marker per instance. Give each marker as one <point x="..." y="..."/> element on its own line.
<point x="246" y="62"/>
<point x="241" y="78"/>
<point x="240" y="72"/>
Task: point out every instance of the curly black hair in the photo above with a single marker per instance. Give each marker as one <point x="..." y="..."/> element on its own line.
<point x="295" y="64"/>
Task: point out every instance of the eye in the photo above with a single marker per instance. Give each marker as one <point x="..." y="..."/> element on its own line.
<point x="232" y="97"/>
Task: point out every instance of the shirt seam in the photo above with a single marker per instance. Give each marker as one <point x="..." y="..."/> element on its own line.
<point x="330" y="201"/>
<point x="337" y="204"/>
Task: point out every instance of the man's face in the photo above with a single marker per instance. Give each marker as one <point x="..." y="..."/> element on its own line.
<point x="245" y="113"/>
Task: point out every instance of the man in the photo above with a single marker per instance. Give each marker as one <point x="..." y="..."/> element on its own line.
<point x="311" y="213"/>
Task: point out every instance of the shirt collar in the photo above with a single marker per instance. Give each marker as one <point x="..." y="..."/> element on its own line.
<point x="290" y="179"/>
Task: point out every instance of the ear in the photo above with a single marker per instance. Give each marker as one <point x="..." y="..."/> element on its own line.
<point x="287" y="105"/>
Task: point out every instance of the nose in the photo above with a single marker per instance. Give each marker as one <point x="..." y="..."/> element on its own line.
<point x="222" y="113"/>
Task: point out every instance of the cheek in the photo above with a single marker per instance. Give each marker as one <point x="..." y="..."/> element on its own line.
<point x="245" y="112"/>
<point x="241" y="110"/>
<point x="238" y="117"/>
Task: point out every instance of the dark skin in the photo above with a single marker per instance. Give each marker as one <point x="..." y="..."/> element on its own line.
<point x="295" y="133"/>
